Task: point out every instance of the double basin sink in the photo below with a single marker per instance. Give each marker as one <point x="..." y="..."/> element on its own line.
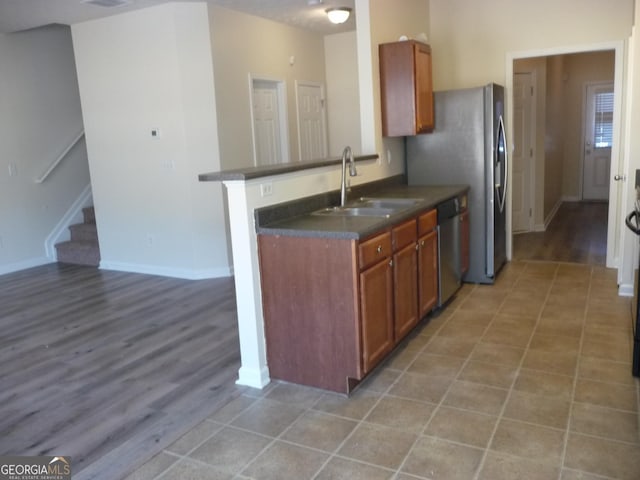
<point x="370" y="207"/>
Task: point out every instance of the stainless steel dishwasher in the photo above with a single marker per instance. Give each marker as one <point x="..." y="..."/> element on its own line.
<point x="449" y="247"/>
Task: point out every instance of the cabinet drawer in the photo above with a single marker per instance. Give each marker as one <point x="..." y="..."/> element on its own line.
<point x="427" y="222"/>
<point x="374" y="249"/>
<point x="404" y="234"/>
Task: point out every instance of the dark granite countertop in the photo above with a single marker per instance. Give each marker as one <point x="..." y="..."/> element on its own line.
<point x="269" y="170"/>
<point x="296" y="218"/>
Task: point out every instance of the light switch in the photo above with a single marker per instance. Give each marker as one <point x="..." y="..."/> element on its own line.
<point x="155" y="133"/>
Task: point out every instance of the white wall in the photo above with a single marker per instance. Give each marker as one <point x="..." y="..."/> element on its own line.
<point x="343" y="93"/>
<point x="144" y="70"/>
<point x="40" y="116"/>
<point x="245" y="44"/>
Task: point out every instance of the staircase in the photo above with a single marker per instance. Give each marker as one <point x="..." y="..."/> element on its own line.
<point x="83" y="248"/>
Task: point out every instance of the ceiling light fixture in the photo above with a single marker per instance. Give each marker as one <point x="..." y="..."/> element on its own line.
<point x="338" y="15"/>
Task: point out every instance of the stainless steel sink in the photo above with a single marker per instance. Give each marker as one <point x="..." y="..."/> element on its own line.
<point x="391" y="203"/>
<point x="356" y="211"/>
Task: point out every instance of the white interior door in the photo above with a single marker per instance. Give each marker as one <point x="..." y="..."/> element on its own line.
<point x="598" y="139"/>
<point x="311" y="121"/>
<point x="522" y="154"/>
<point x="268" y="135"/>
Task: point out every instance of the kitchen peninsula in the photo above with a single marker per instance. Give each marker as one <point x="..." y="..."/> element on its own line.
<point x="278" y="201"/>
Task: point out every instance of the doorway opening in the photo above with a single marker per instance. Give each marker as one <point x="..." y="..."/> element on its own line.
<point x="555" y="213"/>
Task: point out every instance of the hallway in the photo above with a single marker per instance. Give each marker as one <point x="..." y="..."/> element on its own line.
<point x="577" y="234"/>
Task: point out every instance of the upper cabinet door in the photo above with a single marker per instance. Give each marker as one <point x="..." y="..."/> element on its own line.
<point x="406" y="88"/>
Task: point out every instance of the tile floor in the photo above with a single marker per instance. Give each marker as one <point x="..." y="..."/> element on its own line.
<point x="526" y="379"/>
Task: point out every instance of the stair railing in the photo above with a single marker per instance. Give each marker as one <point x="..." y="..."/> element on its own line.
<point x="61" y="157"/>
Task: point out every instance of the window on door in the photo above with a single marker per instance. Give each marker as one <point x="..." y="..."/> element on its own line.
<point x="603" y="124"/>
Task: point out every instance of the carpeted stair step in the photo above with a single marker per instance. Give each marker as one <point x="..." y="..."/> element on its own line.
<point x="84" y="232"/>
<point x="79" y="252"/>
<point x="89" y="215"/>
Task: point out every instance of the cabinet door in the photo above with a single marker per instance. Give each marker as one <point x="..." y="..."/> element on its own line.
<point x="405" y="291"/>
<point x="424" y="89"/>
<point x="428" y="272"/>
<point x="464" y="242"/>
<point x="376" y="304"/>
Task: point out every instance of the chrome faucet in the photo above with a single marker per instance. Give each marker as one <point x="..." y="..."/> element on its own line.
<point x="352" y="173"/>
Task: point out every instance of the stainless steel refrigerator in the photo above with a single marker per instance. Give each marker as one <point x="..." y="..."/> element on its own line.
<point x="468" y="146"/>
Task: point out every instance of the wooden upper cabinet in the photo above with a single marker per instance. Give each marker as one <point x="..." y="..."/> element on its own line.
<point x="406" y="88"/>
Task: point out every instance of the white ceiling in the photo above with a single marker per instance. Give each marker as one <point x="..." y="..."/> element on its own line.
<point x="16" y="15"/>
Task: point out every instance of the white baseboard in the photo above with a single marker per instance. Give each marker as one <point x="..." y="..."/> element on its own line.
<point x="251" y="377"/>
<point x="187" y="274"/>
<point x="24" y="264"/>
<point x="625" y="290"/>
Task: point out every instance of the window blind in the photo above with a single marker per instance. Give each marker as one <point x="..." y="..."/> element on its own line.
<point x="603" y="125"/>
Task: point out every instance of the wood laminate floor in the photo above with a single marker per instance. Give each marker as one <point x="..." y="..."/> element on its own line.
<point x="110" y="367"/>
<point x="577" y="234"/>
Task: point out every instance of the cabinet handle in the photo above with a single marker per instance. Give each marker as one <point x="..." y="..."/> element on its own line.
<point x="379" y="249"/>
<point x="417" y="246"/>
<point x="422" y="243"/>
<point x="391" y="263"/>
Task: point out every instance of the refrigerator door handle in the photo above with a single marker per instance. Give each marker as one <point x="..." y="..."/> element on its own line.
<point x="501" y="184"/>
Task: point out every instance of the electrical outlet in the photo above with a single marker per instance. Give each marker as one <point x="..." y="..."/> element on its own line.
<point x="266" y="189"/>
<point x="13" y="170"/>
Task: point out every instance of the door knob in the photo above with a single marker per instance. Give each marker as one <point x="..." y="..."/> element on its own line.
<point x="617" y="178"/>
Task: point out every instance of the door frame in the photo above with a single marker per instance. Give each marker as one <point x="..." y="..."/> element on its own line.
<point x="530" y="171"/>
<point x="585" y="99"/>
<point x="281" y="92"/>
<point x="615" y="224"/>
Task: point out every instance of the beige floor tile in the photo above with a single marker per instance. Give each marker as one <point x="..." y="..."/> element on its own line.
<point x="507" y="336"/>
<point x="605" y="370"/>
<point x="608" y="333"/>
<point x="476" y="318"/>
<point x="421" y="387"/>
<point x="455" y="347"/>
<point x="298" y="395"/>
<point x="402" y="358"/>
<point x="568" y="474"/>
<point x="267" y="417"/>
<point x="378" y="445"/>
<point x="514" y="322"/>
<point x="617" y="352"/>
<point x="436" y="365"/>
<point x="554" y="343"/>
<point x="232" y="409"/>
<point x="194" y="437"/>
<point x="497" y="354"/>
<point x="536" y="443"/>
<point x="559" y="363"/>
<point x="603" y="457"/>
<point x="457" y="329"/>
<point x="355" y="407"/>
<point x="282" y="460"/>
<point x="501" y="376"/>
<point x="522" y="307"/>
<point x="534" y="285"/>
<point x="566" y="327"/>
<point x="546" y="270"/>
<point x="404" y="414"/>
<point x="187" y="469"/>
<point x="504" y="467"/>
<point x="341" y="469"/>
<point x="538" y="409"/>
<point x="435" y="458"/>
<point x="604" y="422"/>
<point x="477" y="397"/>
<point x="230" y="450"/>
<point x="611" y="395"/>
<point x="562" y="295"/>
<point x="462" y="426"/>
<point x="563" y="312"/>
<point x="544" y="383"/>
<point x="319" y="430"/>
<point x="481" y="305"/>
<point x="380" y="379"/>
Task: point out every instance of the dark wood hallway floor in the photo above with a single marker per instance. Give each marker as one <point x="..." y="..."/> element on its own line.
<point x="110" y="367"/>
<point x="577" y="234"/>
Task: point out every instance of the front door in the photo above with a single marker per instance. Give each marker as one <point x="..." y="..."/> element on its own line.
<point x="598" y="135"/>
<point x="268" y="137"/>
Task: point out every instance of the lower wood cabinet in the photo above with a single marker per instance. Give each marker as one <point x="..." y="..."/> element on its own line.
<point x="334" y="308"/>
